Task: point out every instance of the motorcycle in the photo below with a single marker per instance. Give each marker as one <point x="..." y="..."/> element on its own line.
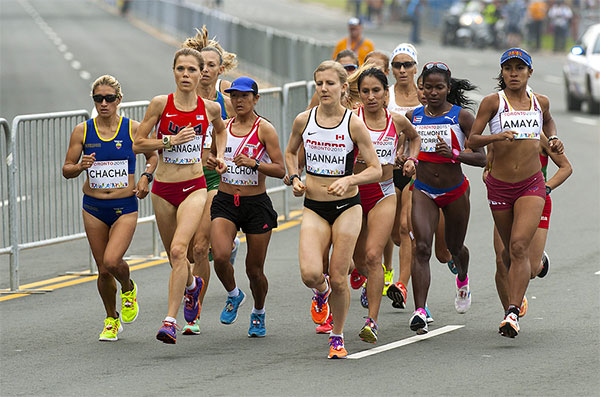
<point x="464" y="26"/>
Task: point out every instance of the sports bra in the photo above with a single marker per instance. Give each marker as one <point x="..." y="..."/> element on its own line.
<point x="527" y="124"/>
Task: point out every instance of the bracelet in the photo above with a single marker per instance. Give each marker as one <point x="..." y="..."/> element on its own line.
<point x="292" y="177"/>
<point x="414" y="160"/>
<point x="553" y="137"/>
<point x="148" y="175"/>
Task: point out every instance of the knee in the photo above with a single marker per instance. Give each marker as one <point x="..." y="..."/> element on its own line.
<point x="254" y="273"/>
<point x="200" y="248"/>
<point x="422" y="251"/>
<point x="178" y="253"/>
<point x="111" y="265"/>
<point x="518" y="249"/>
<point x="373" y="259"/>
<point x="311" y="278"/>
<point x="338" y="283"/>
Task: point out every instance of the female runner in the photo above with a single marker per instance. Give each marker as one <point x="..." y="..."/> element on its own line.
<point x="377" y="199"/>
<point x="331" y="134"/>
<point x="443" y="125"/>
<point x="516" y="188"/>
<point x="216" y="62"/>
<point x="252" y="153"/>
<point x="181" y="121"/>
<point x="109" y="197"/>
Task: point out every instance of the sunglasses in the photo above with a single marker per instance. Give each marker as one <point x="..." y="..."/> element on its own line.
<point x="437" y="65"/>
<point x="406" y="65"/>
<point x="108" y="98"/>
<point x="350" y="68"/>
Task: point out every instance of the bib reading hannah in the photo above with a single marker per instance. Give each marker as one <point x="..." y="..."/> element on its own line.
<point x="429" y="135"/>
<point x="111" y="174"/>
<point x="525" y="124"/>
<point x="186" y="153"/>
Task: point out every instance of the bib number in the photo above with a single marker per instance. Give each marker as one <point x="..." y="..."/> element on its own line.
<point x="110" y="174"/>
<point x="524" y="125"/>
<point x="187" y="153"/>
<point x="429" y="136"/>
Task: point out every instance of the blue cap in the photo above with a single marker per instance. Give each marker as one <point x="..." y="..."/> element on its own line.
<point x="245" y="84"/>
<point x="516" y="53"/>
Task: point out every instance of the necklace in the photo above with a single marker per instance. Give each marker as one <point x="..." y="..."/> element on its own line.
<point x="431" y="114"/>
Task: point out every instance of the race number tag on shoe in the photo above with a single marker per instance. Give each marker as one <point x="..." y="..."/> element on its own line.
<point x="110" y="174"/>
<point x="524" y="124"/>
<point x="187" y="153"/>
<point x="429" y="136"/>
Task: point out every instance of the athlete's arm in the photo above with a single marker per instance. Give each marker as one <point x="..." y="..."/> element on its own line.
<point x="268" y="136"/>
<point x="141" y="142"/>
<point x="228" y="106"/>
<point x="72" y="167"/>
<point x="549" y="127"/>
<point x="565" y="169"/>
<point x="487" y="110"/>
<point x="291" y="151"/>
<point x="489" y="162"/>
<point x="372" y="173"/>
<point x="142" y="187"/>
<point x="476" y="157"/>
<point x="414" y="140"/>
<point x="213" y="111"/>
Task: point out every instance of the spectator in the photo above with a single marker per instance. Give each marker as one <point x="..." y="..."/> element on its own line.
<point x="514" y="13"/>
<point x="375" y="11"/>
<point x="560" y="16"/>
<point x="413" y="11"/>
<point x="537" y="13"/>
<point x="355" y="42"/>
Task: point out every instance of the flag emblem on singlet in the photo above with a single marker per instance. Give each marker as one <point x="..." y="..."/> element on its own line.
<point x="118" y="144"/>
<point x="418" y="119"/>
<point x="199" y="117"/>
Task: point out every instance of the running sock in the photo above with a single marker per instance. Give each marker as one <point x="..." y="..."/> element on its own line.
<point x="192" y="286"/>
<point x="461" y="284"/>
<point x="326" y="289"/>
<point x="258" y="311"/>
<point x="234" y="292"/>
<point x="340" y="335"/>
<point x="513" y="309"/>
<point x="171" y="320"/>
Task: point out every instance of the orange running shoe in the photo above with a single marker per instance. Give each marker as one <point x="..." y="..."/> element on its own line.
<point x="523" y="308"/>
<point x="326" y="327"/>
<point x="319" y="309"/>
<point x="336" y="347"/>
<point x="356" y="279"/>
<point x="509" y="327"/>
<point x="397" y="293"/>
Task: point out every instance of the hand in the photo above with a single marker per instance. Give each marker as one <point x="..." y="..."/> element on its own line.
<point x="220" y="166"/>
<point x="400" y="159"/>
<point x="485" y="174"/>
<point x="557" y="146"/>
<point x="87" y="160"/>
<point x="506" y="136"/>
<point x="442" y="148"/>
<point x="299" y="187"/>
<point x="286" y="180"/>
<point x="141" y="190"/>
<point x="185" y="135"/>
<point x="339" y="187"/>
<point x="409" y="168"/>
<point x="241" y="160"/>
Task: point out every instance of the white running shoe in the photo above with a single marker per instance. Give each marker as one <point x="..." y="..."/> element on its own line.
<point x="234" y="251"/>
<point x="462" y="302"/>
<point x="418" y="323"/>
<point x="509" y="327"/>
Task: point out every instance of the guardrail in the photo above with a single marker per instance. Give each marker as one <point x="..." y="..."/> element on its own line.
<point x="39" y="207"/>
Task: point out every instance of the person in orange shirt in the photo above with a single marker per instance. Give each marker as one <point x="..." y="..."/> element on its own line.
<point x="355" y="42"/>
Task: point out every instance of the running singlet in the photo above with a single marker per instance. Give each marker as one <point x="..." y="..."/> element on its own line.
<point x="385" y="141"/>
<point x="248" y="145"/>
<point x="172" y="121"/>
<point x="526" y="123"/>
<point x="329" y="151"/>
<point x="445" y="126"/>
<point x="115" y="159"/>
<point x="394" y="107"/>
<point x="208" y="138"/>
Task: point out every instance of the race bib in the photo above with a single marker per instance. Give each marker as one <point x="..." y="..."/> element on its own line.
<point x="236" y="175"/>
<point x="187" y="153"/>
<point x="524" y="124"/>
<point x="429" y="136"/>
<point x="110" y="174"/>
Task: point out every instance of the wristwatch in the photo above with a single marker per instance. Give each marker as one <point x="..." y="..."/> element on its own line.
<point x="255" y="168"/>
<point x="455" y="154"/>
<point x="149" y="176"/>
<point x="166" y="140"/>
<point x="548" y="190"/>
<point x="292" y="177"/>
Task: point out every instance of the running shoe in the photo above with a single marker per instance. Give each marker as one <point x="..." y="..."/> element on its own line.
<point x="397" y="293"/>
<point x="388" y="280"/>
<point x="326" y="327"/>
<point x="368" y="333"/>
<point x="523" y="308"/>
<point x="192" y="328"/>
<point x="356" y="279"/>
<point x="545" y="265"/>
<point x="509" y="327"/>
<point x="167" y="333"/>
<point x="129" y="306"/>
<point x="234" y="251"/>
<point x="452" y="267"/>
<point x="364" y="302"/>
<point x="336" y="347"/>
<point x="429" y="319"/>
<point x="112" y="326"/>
<point x="191" y="310"/>
<point x="257" y="326"/>
<point x="418" y="322"/>
<point x="462" y="301"/>
<point x="230" y="311"/>
<point x="319" y="309"/>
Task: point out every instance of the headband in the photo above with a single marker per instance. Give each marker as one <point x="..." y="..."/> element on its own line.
<point x="403" y="49"/>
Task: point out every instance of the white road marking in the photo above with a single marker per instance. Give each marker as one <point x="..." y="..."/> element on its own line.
<point x="585" y="120"/>
<point x="76" y="65"/>
<point x="85" y="75"/>
<point x="19" y="199"/>
<point x="404" y="342"/>
<point x="597" y="273"/>
<point x="68" y="56"/>
<point x="553" y="79"/>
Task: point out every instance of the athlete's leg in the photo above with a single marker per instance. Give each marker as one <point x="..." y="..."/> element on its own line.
<point x="119" y="239"/>
<point x="395" y="237"/>
<point x="201" y="244"/>
<point x="406" y="242"/>
<point x="457" y="219"/>
<point x="442" y="253"/>
<point x="536" y="250"/>
<point x="345" y="232"/>
<point x="388" y="253"/>
<point x="223" y="232"/>
<point x="255" y="263"/>
<point x="426" y="211"/>
<point x="501" y="271"/>
<point x="315" y="237"/>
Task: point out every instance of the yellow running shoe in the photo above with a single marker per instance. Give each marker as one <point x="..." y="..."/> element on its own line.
<point x="112" y="326"/>
<point x="129" y="305"/>
<point x="388" y="280"/>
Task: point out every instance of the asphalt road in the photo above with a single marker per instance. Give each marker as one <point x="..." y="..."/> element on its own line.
<point x="49" y="342"/>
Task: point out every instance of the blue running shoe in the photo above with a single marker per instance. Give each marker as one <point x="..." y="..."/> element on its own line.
<point x="167" y="333"/>
<point x="230" y="312"/>
<point x="257" y="326"/>
<point x="364" y="302"/>
<point x="191" y="310"/>
<point x="234" y="251"/>
<point x="428" y="317"/>
<point x="452" y="267"/>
